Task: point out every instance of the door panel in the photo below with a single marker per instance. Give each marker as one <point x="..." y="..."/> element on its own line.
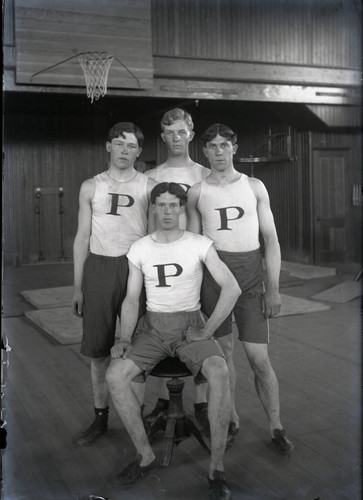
<point x="330" y="206"/>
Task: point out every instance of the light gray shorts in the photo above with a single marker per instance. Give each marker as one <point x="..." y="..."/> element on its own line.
<point x="160" y="335"/>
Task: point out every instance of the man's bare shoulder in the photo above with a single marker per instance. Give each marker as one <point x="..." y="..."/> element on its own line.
<point x="195" y="189"/>
<point x="88" y="188"/>
<point x="256" y="184"/>
<point x="258" y="188"/>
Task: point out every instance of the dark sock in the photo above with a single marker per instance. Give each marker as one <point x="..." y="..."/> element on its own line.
<point x="200" y="406"/>
<point x="102" y="412"/>
<point x="101" y="417"/>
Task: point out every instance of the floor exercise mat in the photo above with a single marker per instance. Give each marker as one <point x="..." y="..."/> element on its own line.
<point x="306" y="271"/>
<point x="343" y="292"/>
<point x="45" y="298"/>
<point x="297" y="305"/>
<point x="59" y="322"/>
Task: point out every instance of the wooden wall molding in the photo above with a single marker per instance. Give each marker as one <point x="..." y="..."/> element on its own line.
<point x="213" y="69"/>
<point x="209" y="90"/>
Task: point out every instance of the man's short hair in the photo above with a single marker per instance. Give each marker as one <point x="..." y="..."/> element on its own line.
<point x="175" y="114"/>
<point x="120" y="128"/>
<point x="168" y="187"/>
<point x="218" y="129"/>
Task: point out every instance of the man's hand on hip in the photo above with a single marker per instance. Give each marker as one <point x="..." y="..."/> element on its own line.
<point x="195" y="334"/>
<point x="121" y="349"/>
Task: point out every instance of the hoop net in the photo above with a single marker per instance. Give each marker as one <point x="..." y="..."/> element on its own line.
<point x="95" y="66"/>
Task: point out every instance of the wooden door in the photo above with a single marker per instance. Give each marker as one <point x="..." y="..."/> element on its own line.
<point x="330" y="205"/>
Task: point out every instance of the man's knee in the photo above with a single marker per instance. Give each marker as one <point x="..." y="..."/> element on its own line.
<point x="215" y="369"/>
<point x="258" y="358"/>
<point x="118" y="375"/>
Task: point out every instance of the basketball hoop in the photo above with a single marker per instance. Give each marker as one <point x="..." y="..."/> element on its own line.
<point x="95" y="66"/>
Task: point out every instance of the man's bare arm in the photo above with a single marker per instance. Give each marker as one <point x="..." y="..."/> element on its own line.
<point x="230" y="291"/>
<point x="193" y="215"/>
<point x="81" y="243"/>
<point x="129" y="312"/>
<point x="272" y="300"/>
<point x="151" y="226"/>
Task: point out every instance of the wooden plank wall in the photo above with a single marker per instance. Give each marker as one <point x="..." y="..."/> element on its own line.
<point x="62" y="151"/>
<point x="52" y="151"/>
<point x="283" y="181"/>
<point x="305" y="32"/>
<point x="49" y="32"/>
<point x="46" y="151"/>
<point x="338" y="116"/>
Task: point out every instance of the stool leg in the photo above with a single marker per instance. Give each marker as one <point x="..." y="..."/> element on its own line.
<point x="175" y="413"/>
<point x="168" y="441"/>
<point x="175" y="388"/>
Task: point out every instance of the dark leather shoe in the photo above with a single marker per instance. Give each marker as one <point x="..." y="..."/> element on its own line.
<point x="219" y="489"/>
<point x="281" y="444"/>
<point x="89" y="435"/>
<point x="133" y="472"/>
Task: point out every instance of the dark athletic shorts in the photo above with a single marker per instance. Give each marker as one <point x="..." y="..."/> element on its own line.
<point x="159" y="335"/>
<point x="247" y="269"/>
<point x="104" y="288"/>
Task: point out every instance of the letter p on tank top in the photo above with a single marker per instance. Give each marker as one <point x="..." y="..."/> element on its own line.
<point x="119" y="214"/>
<point x="229" y="215"/>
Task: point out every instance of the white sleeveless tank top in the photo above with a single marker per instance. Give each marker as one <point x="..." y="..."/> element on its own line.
<point x="119" y="214"/>
<point x="229" y="215"/>
<point x="185" y="176"/>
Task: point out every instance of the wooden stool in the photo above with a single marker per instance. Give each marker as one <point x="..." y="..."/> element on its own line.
<point x="177" y="424"/>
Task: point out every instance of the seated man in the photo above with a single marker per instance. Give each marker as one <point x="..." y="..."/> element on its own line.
<point x="170" y="263"/>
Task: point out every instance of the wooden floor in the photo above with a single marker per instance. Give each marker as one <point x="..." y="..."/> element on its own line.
<point x="317" y="358"/>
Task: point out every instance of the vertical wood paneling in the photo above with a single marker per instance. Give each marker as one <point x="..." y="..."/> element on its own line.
<point x="53" y="151"/>
<point x="338" y="116"/>
<point x="63" y="150"/>
<point x="306" y="32"/>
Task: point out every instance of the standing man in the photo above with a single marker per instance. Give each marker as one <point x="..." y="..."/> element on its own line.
<point x="170" y="263"/>
<point x="177" y="133"/>
<point x="113" y="213"/>
<point x="231" y="209"/>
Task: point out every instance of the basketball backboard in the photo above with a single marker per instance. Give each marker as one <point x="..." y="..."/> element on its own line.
<point x="49" y="35"/>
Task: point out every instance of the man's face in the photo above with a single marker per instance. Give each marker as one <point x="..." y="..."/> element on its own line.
<point x="123" y="150"/>
<point x="167" y="210"/>
<point x="177" y="137"/>
<point x="220" y="152"/>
